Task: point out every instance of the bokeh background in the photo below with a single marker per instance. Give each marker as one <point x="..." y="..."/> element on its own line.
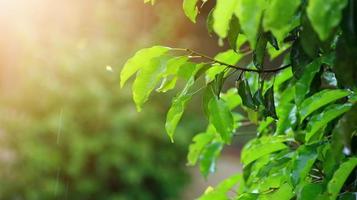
<point x="67" y="131"/>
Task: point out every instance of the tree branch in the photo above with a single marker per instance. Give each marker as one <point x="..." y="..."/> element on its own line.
<point x="193" y="52"/>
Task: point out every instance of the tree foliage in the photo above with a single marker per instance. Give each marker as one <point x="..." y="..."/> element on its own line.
<point x="305" y="108"/>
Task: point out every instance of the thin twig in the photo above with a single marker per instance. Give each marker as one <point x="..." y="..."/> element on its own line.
<point x="193" y="52"/>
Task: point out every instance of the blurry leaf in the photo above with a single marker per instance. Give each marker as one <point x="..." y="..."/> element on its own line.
<point x="150" y="1"/>
<point x="146" y="80"/>
<point x="232" y="98"/>
<point x="319" y="121"/>
<point x="174" y="64"/>
<point x="269" y="103"/>
<point x="302" y="85"/>
<point x="208" y="158"/>
<point x="249" y="14"/>
<point x="272" y="40"/>
<point x="167" y="84"/>
<point x="259" y="51"/>
<point x="340" y="176"/>
<point x="282" y="77"/>
<point x="187" y="70"/>
<point x="345" y="63"/>
<point x="170" y="74"/>
<point x="302" y="163"/>
<point x="279" y="17"/>
<point x="245" y="94"/>
<point x="259" y="147"/>
<point x="347" y="196"/>
<point x="258" y="98"/>
<point x="233" y="33"/>
<point x="213" y="71"/>
<point x="190" y="9"/>
<point x="325" y="15"/>
<point x="230" y="57"/>
<point x="177" y="108"/>
<point x="207" y="96"/>
<point x="221" y="118"/>
<point x="298" y="59"/>
<point x="309" y="39"/>
<point x="200" y="141"/>
<point x="209" y="21"/>
<point x="285" y="192"/>
<point x="319" y="100"/>
<point x="220" y="192"/>
<point x="309" y="191"/>
<point x="139" y="61"/>
<point x="222" y="15"/>
<point x="287" y="118"/>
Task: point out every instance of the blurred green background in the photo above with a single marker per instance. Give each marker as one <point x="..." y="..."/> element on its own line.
<point x="67" y="131"/>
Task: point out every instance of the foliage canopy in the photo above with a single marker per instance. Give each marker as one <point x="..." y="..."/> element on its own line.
<point x="305" y="109"/>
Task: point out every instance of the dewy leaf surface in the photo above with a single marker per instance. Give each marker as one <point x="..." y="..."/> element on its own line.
<point x="318" y="100"/>
<point x="319" y="121"/>
<point x="302" y="163"/>
<point x="340" y="176"/>
<point x="139" y="61"/>
<point x="260" y="147"/>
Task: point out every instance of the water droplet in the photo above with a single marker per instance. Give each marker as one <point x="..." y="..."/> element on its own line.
<point x="109" y="68"/>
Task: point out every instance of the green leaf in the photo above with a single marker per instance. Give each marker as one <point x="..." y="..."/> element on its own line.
<point x="177" y="108"/>
<point x="249" y="14"/>
<point x="299" y="59"/>
<point x="200" y="141"/>
<point x="139" y="61"/>
<point x="232" y="98"/>
<point x="170" y="74"/>
<point x="190" y="9"/>
<point x="233" y="33"/>
<point x="319" y="100"/>
<point x="259" y="51"/>
<point x="325" y="15"/>
<point x="340" y="176"/>
<point x="302" y="85"/>
<point x="245" y="94"/>
<point x="209" y="22"/>
<point x="213" y="71"/>
<point x="269" y="103"/>
<point x="309" y="191"/>
<point x="230" y="57"/>
<point x="208" y="158"/>
<point x="221" y="190"/>
<point x="285" y="192"/>
<point x="282" y="77"/>
<point x="259" y="147"/>
<point x="348" y="196"/>
<point x="222" y="15"/>
<point x="319" y="121"/>
<point x="146" y="80"/>
<point x="287" y="118"/>
<point x="221" y="117"/>
<point x="279" y="17"/>
<point x="302" y="163"/>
